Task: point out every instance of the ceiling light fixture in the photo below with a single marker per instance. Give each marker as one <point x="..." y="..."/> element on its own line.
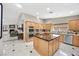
<point x="49" y="10"/>
<point x="71" y="12"/>
<point x="19" y="5"/>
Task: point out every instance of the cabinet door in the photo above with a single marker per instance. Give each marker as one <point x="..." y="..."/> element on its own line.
<point x="44" y="26"/>
<point x="51" y="47"/>
<point x="75" y="40"/>
<point x="61" y="38"/>
<point x="43" y="47"/>
<point x="49" y="26"/>
<point x="72" y="25"/>
<point x="35" y="26"/>
<point x="77" y="25"/>
<point x="36" y="43"/>
<point x="56" y="44"/>
<point x="40" y="26"/>
<point x="28" y="23"/>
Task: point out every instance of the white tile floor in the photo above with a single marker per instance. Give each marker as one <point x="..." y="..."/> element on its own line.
<point x="13" y="47"/>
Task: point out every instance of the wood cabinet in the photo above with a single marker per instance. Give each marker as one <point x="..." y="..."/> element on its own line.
<point x="74" y="25"/>
<point x="47" y="26"/>
<point x="52" y="47"/>
<point x="36" y="25"/>
<point x="75" y="40"/>
<point x="62" y="27"/>
<point x="40" y="46"/>
<point x="27" y="25"/>
<point x="39" y="26"/>
<point x="46" y="48"/>
<point x="61" y="38"/>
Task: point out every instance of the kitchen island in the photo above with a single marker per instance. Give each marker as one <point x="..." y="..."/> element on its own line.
<point x="46" y="44"/>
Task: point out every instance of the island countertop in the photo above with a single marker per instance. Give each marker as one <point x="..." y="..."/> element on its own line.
<point x="47" y="37"/>
<point x="46" y="44"/>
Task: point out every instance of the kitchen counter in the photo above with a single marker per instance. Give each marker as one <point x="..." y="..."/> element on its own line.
<point x="46" y="44"/>
<point x="47" y="37"/>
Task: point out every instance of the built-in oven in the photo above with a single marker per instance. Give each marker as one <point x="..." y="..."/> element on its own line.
<point x="31" y="31"/>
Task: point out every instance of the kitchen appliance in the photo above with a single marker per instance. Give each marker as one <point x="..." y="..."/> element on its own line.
<point x="31" y="31"/>
<point x="68" y="38"/>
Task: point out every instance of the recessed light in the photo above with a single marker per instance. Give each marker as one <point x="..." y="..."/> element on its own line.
<point x="71" y="12"/>
<point x="19" y="5"/>
<point x="37" y="13"/>
<point x="48" y="9"/>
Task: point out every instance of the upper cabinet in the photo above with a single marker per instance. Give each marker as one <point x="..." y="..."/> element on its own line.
<point x="62" y="27"/>
<point x="36" y="26"/>
<point x="47" y="26"/>
<point x="40" y="26"/>
<point x="74" y="25"/>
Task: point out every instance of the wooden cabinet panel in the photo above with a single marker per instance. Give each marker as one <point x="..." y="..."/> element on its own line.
<point x="75" y="40"/>
<point x="35" y="43"/>
<point x="74" y="25"/>
<point x="41" y="26"/>
<point x="36" y="26"/>
<point x="61" y="38"/>
<point x="41" y="46"/>
<point x="77" y="25"/>
<point x="52" y="47"/>
<point x="56" y="44"/>
<point x="48" y="26"/>
<point x="46" y="48"/>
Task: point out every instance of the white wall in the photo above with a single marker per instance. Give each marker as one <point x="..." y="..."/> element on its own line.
<point x="26" y="17"/>
<point x="13" y="17"/>
<point x="10" y="16"/>
<point x="61" y="20"/>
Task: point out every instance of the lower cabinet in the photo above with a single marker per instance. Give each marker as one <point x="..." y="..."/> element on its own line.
<point x="75" y="41"/>
<point x="46" y="48"/>
<point x="61" y="38"/>
<point x="53" y="46"/>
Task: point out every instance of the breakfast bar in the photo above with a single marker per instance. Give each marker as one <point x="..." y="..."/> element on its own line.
<point x="46" y="44"/>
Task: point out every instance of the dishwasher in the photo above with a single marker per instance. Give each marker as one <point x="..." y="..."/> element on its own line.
<point x="68" y="39"/>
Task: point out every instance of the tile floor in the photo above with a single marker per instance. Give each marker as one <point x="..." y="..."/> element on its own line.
<point x="10" y="46"/>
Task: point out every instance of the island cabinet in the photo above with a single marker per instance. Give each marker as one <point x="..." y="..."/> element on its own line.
<point x="61" y="38"/>
<point x="53" y="46"/>
<point x="40" y="46"/>
<point x="45" y="46"/>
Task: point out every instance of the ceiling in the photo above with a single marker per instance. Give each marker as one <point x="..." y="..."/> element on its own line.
<point x="41" y="9"/>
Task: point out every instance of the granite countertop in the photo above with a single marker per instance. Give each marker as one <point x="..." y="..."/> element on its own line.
<point x="47" y="37"/>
